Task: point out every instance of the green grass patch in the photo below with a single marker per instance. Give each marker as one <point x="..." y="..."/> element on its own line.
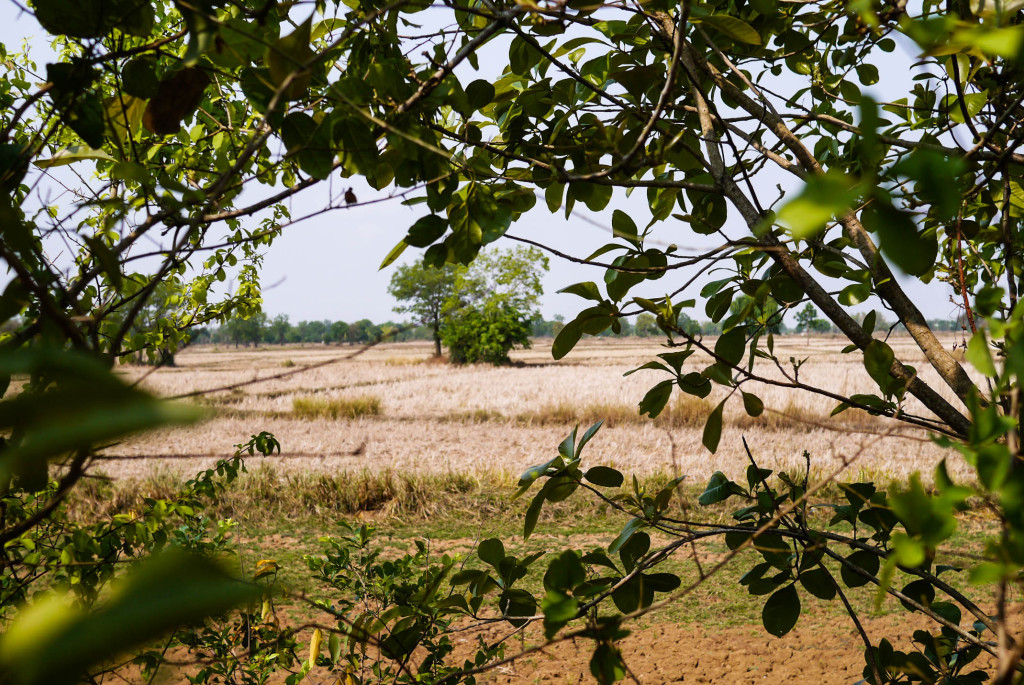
<point x="282" y="516"/>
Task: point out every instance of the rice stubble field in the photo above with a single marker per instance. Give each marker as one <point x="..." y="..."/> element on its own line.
<point x="394" y="414"/>
<point x="391" y="407"/>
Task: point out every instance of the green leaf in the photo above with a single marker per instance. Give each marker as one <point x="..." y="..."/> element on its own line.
<point x="310" y="143"/>
<point x="553" y="198"/>
<point x="878" y="360"/>
<point x="566" y="339"/>
<point x="929" y="517"/>
<point x="58" y="422"/>
<point x="973" y="103"/>
<point x="533" y="512"/>
<point x="559" y="488"/>
<point x="491" y="551"/>
<point x="911" y="250"/>
<point x="558" y="609"/>
<point x="781" y="611"/>
<point x="1004" y="41"/>
<point x="630" y="596"/>
<point x="623" y="226"/>
<point x="694" y="383"/>
<point x="51" y="641"/>
<point x="734" y="28"/>
<point x="286" y="56"/>
<point x="719" y="489"/>
<point x="202" y="31"/>
<point x="921" y="591"/>
<point x="606" y="664"/>
<point x="479" y="93"/>
<point x="138" y="77"/>
<point x="868" y="326"/>
<point x="106" y="258"/>
<point x="13" y="166"/>
<point x="823" y="197"/>
<point x="819" y="583"/>
<point x="395" y="253"/>
<point x="564" y="572"/>
<point x="426" y="231"/>
<point x="587" y="290"/>
<point x="863" y="559"/>
<point x="854" y="293"/>
<point x="623" y="537"/>
<point x="730" y="346"/>
<point x="587" y="436"/>
<point x="520" y="58"/>
<point x="566" y="448"/>
<point x="979" y="356"/>
<point x="713" y="428"/>
<point x="662" y="582"/>
<point x="604" y="476"/>
<point x="517" y="603"/>
<point x="752" y="404"/>
<point x="634" y="549"/>
<point x="534" y="472"/>
<point x="72" y="154"/>
<point x="656" y="398"/>
<point x="85" y="117"/>
<point x="937" y="177"/>
<point x="94" y="18"/>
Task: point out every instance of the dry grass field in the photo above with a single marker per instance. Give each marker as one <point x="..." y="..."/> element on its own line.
<point x="430" y="451"/>
<point x="392" y="407"/>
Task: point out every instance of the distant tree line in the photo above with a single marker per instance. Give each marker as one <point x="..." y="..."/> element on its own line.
<point x="264" y="330"/>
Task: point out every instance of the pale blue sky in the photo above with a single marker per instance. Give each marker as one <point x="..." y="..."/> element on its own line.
<point x="327" y="267"/>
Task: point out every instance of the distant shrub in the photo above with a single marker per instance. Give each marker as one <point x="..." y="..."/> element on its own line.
<point x="687" y="411"/>
<point x="485" y="335"/>
<point x="337" y="408"/>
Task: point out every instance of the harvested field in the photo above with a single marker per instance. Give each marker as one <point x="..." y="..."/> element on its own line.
<point x="426" y="416"/>
<point x="430" y="451"/>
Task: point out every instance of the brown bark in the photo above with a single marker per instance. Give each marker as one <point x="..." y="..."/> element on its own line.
<point x="785" y="259"/>
<point x="885" y="283"/>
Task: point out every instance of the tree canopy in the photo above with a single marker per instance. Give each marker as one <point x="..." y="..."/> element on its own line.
<point x="183" y="131"/>
<point x="492" y="305"/>
<point x="426" y="290"/>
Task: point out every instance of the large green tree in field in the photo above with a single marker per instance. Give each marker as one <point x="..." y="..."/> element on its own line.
<point x="181" y="131"/>
<point x="492" y="305"/>
<point x="426" y="290"/>
<point x="480" y="312"/>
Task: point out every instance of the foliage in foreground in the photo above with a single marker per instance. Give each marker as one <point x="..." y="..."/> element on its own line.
<point x="182" y="130"/>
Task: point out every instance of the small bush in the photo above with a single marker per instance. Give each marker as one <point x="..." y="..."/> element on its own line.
<point x="474" y="416"/>
<point x="485" y="335"/>
<point x="337" y="408"/>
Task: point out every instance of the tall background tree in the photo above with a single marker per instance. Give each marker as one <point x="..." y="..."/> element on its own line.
<point x="426" y="289"/>
<point x="492" y="305"/>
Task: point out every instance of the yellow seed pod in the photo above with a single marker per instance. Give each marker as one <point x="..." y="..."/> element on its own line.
<point x="267" y="610"/>
<point x="314" y="646"/>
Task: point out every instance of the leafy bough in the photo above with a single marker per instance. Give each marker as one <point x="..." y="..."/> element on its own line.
<point x="874" y="538"/>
